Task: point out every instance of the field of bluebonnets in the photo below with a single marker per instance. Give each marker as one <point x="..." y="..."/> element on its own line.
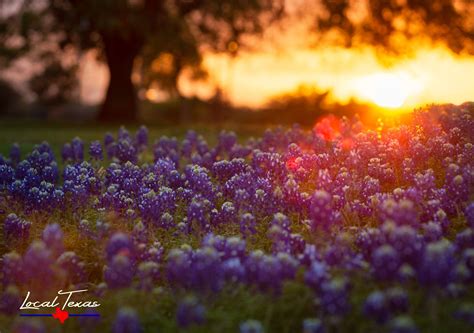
<point x="335" y="229"/>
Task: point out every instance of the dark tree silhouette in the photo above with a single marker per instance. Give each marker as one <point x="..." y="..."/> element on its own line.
<point x="391" y="24"/>
<point x="127" y="30"/>
<point x="56" y="83"/>
<point x="124" y="30"/>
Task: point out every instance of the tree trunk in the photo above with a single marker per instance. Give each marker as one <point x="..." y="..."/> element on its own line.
<point x="120" y="104"/>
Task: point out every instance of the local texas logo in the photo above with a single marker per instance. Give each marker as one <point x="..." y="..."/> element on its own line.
<point x="60" y="314"/>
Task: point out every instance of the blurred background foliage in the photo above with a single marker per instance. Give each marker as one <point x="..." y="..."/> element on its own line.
<point x="147" y="45"/>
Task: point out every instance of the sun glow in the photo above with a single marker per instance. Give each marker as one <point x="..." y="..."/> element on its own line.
<point x="250" y="79"/>
<point x="388" y="90"/>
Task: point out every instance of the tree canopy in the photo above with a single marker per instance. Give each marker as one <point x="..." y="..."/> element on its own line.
<point x="126" y="30"/>
<point x="163" y="37"/>
<point x="392" y="24"/>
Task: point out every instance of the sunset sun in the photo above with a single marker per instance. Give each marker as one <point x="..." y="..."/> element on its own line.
<point x="387" y="90"/>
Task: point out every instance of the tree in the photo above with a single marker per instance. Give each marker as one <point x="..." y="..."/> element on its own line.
<point x="393" y="24"/>
<point x="124" y="30"/>
<point x="10" y="99"/>
<point x="56" y="83"/>
<point x="174" y="56"/>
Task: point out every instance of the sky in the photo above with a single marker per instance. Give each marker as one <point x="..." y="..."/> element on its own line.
<point x="287" y="56"/>
<point x="433" y="74"/>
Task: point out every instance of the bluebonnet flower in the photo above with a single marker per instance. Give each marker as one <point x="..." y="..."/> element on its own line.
<point x="402" y="324"/>
<point x="166" y="148"/>
<point x="67" y="153"/>
<point x="226" y="140"/>
<point x="437" y="264"/>
<point x="205" y="272"/>
<point x="402" y="213"/>
<point x="432" y="232"/>
<point x="316" y="275"/>
<point x="139" y="233"/>
<point x="368" y="240"/>
<point x="465" y="312"/>
<point x="292" y="194"/>
<point x="177" y="266"/>
<point x="224" y="170"/>
<point x="308" y="255"/>
<point x="127" y="321"/>
<point x="269" y="272"/>
<point x="37" y="265"/>
<point x="375" y="306"/>
<point x="321" y="210"/>
<point x="108" y="139"/>
<point x="297" y="243"/>
<point x="397" y="299"/>
<point x="12" y="269"/>
<point x="10" y="300"/>
<point x="73" y="266"/>
<point x="95" y="150"/>
<point x="199" y="211"/>
<point x="465" y="239"/>
<point x="269" y="164"/>
<point x="190" y="312"/>
<point x="80" y="183"/>
<point x="111" y="149"/>
<point x="148" y="274"/>
<point x="217" y="242"/>
<point x="405" y="240"/>
<point x="15" y="153"/>
<point x="425" y="181"/>
<point x="370" y="186"/>
<point x="77" y="146"/>
<point x="119" y="272"/>
<point x="340" y="252"/>
<point x="385" y="263"/>
<point x="125" y="151"/>
<point x="406" y="273"/>
<point x="97" y="231"/>
<point x="334" y="297"/>
<point x="53" y="238"/>
<point x="166" y="220"/>
<point x="198" y="180"/>
<point x="7" y="176"/>
<point x="279" y="233"/>
<point x="231" y="247"/>
<point x="251" y="326"/>
<point x="226" y="215"/>
<point x="313" y="325"/>
<point x="234" y="270"/>
<point x="123" y="134"/>
<point x="141" y="137"/>
<point x="468" y="260"/>
<point x="469" y="213"/>
<point x="119" y="243"/>
<point x="15" y="227"/>
<point x="247" y="224"/>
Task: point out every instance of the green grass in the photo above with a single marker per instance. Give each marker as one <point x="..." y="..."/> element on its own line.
<point x="29" y="133"/>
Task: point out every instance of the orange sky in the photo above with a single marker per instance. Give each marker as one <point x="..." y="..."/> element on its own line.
<point x="433" y="75"/>
<point x="288" y="58"/>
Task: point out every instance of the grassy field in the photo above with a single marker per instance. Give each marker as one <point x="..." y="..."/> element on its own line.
<point x="30" y="133"/>
<point x="284" y="311"/>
